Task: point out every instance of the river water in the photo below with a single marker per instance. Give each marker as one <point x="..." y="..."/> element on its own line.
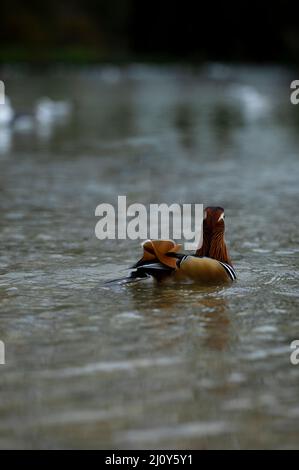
<point x="145" y="366"/>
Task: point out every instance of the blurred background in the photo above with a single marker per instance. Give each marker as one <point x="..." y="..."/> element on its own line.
<point x="101" y="30"/>
<point x="161" y="102"/>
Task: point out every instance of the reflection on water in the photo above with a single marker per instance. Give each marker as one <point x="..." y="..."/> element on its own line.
<point x="143" y="365"/>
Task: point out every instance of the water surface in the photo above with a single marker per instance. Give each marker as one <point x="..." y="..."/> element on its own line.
<point x="142" y="366"/>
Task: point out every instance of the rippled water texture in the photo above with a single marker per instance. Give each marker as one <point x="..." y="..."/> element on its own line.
<point x="142" y="366"/>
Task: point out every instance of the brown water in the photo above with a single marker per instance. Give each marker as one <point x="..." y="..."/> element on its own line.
<point x="143" y="366"/>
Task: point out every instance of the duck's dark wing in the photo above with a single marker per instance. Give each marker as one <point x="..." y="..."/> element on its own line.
<point x="156" y="270"/>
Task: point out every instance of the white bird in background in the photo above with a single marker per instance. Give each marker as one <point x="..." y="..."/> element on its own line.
<point x="46" y="115"/>
<point x="253" y="103"/>
<point x="6" y="112"/>
<point x="23" y="122"/>
<point x="47" y="111"/>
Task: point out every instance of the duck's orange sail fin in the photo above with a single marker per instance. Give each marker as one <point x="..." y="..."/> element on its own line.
<point x="158" y="250"/>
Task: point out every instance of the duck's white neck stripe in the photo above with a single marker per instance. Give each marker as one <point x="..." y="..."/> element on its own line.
<point x="230" y="270"/>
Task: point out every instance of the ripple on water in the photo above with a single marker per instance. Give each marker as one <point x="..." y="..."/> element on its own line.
<point x="260" y="354"/>
<point x="127" y="316"/>
<point x="285" y="252"/>
<point x="237" y="404"/>
<point x="265" y="329"/>
<point x="112" y="366"/>
<point x="182" y="430"/>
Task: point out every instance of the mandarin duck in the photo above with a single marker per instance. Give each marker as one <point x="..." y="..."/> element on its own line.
<point x="210" y="264"/>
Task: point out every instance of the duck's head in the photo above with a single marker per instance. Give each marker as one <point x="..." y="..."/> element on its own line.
<point x="213" y="219"/>
<point x="213" y="245"/>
